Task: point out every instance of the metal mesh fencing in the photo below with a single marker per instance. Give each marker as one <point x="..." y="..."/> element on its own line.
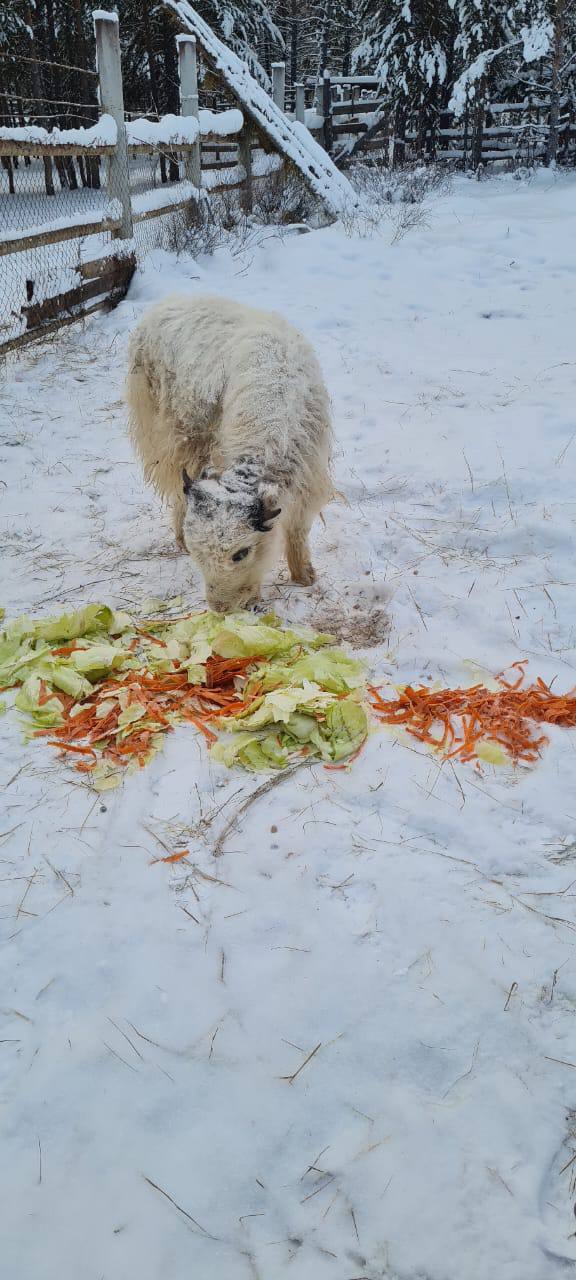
<point x="40" y="197"/>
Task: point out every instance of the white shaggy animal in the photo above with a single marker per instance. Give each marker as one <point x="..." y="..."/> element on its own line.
<point x="229" y="415"/>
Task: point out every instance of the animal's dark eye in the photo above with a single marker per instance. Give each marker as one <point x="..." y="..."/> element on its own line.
<point x="240" y="555"/>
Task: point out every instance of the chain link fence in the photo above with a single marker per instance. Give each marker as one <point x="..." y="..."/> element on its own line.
<point x="86" y="189"/>
<point x="43" y="195"/>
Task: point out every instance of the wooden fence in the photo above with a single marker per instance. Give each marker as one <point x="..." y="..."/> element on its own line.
<point x="207" y="153"/>
<point x="343" y="109"/>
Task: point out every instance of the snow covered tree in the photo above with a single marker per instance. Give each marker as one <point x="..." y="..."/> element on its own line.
<point x="407" y="45"/>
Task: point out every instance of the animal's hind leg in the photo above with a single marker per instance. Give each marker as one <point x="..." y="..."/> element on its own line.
<point x="298" y="549"/>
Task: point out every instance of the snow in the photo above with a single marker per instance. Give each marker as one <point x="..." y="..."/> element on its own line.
<point x="292" y="139"/>
<point x="162" y="197"/>
<point x="263" y="164"/>
<point x="104" y="15"/>
<point x="169" y="129"/>
<point x="413" y="924"/>
<point x="221" y="123"/>
<point x="101" y="134"/>
<point x="536" y="39"/>
<point x="312" y="119"/>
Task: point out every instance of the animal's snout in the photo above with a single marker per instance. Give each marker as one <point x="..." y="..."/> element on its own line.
<point x="230" y="604"/>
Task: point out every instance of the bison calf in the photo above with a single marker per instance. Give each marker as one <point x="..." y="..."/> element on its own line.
<point x="229" y="415"/>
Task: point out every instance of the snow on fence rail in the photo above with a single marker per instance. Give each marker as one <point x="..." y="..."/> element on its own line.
<point x="93" y="222"/>
<point x="181" y="131"/>
<point x="99" y="139"/>
<point x="38" y="289"/>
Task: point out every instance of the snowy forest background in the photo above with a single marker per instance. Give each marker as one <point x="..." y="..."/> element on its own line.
<point x="429" y="56"/>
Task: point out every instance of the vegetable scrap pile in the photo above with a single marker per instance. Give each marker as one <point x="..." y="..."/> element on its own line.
<point x="467" y="722"/>
<point x="105" y="689"/>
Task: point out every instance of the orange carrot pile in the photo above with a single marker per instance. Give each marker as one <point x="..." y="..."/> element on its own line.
<point x="94" y="730"/>
<point x="454" y="721"/>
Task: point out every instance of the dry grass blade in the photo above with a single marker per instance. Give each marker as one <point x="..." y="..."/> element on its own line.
<point x="295" y="1074"/>
<point x="177" y="1206"/>
<point x="250" y="800"/>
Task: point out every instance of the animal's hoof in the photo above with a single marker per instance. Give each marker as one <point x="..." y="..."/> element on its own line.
<point x="305" y="576"/>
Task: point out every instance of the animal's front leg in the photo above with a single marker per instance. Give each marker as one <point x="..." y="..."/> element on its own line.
<point x="298" y="555"/>
<point x="178" y="513"/>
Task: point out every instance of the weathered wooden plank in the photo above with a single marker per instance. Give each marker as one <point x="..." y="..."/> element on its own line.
<point x="9" y="148"/>
<point x="221" y="164"/>
<point x="38" y="313"/>
<point x="351" y="126"/>
<point x="72" y="231"/>
<point x="98" y="267"/>
<point x="158" y="212"/>
<point x="360" y="106"/>
<point x="51" y="326"/>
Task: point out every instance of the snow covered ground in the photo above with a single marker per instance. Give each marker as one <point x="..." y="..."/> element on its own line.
<point x="345" y="1048"/>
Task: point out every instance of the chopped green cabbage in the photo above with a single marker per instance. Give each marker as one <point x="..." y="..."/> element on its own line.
<point x="345" y="728"/>
<point x="307" y="692"/>
<point x="238" y="638"/>
<point x="27" y="700"/>
<point x="99" y="660"/>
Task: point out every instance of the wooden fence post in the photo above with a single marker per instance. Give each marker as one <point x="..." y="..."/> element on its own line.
<point x="478" y="129"/>
<point x="300" y="104"/>
<point x="327" y="112"/>
<point x="112" y="102"/>
<point x="279" y="83"/>
<point x="245" y="159"/>
<point x="188" y="72"/>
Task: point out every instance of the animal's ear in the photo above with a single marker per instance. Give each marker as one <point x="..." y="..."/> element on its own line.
<point x="265" y="509"/>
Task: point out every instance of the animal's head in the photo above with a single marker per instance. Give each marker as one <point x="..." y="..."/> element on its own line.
<point x="231" y="531"/>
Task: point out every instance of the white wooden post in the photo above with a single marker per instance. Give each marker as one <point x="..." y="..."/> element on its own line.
<point x="300" y="104"/>
<point x="112" y="102"/>
<point x="279" y="83"/>
<point x="188" y="71"/>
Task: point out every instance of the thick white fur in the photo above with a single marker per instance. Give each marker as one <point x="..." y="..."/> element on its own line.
<point x="217" y="387"/>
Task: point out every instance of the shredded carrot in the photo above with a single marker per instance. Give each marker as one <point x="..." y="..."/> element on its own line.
<point x="68" y="746"/>
<point x="173" y="857"/>
<point x="43" y="695"/>
<point x="454" y="721"/>
<point x="222" y="671"/>
<point x="199" y="724"/>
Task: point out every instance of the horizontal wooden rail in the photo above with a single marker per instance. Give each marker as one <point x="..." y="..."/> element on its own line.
<point x="358" y="107"/>
<point x="53" y="235"/>
<point x="158" y="211"/>
<point x="9" y="147"/>
<point x="12" y="148"/>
